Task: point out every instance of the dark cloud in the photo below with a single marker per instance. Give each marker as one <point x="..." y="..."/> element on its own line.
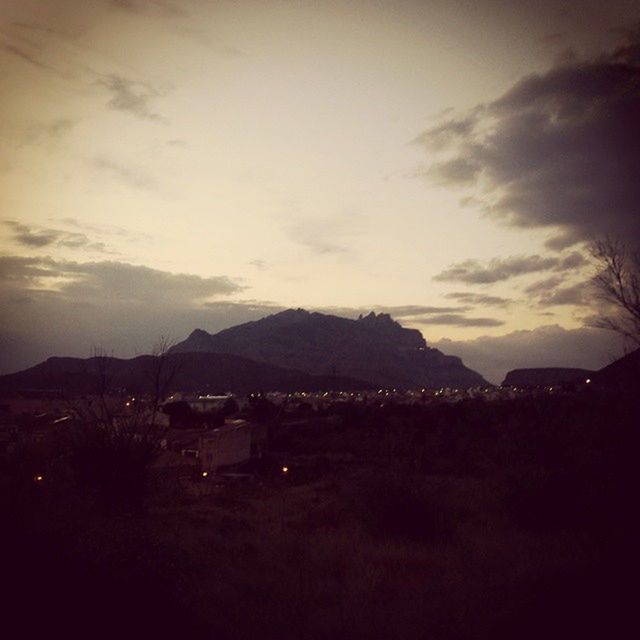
<point x="543" y="286"/>
<point x="28" y="57"/>
<point x="24" y="271"/>
<point x="474" y="272"/>
<point x="498" y="269"/>
<point x="417" y="310"/>
<point x="37" y="237"/>
<point x="549" y="292"/>
<point x="458" y="320"/>
<point x="57" y="307"/>
<point x="409" y="311"/>
<point x="571" y="261"/>
<point x="29" y="237"/>
<point x="563" y="240"/>
<point x="457" y="128"/>
<point x="458" y="170"/>
<point x="467" y="297"/>
<point x="558" y="149"/>
<point x="548" y="346"/>
<point x="91" y="282"/>
<point x="131" y="96"/>
<point x="577" y="294"/>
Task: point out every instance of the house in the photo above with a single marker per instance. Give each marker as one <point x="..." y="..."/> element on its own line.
<point x="226" y="445"/>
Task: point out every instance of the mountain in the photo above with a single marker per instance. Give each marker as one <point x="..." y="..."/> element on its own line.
<point x="210" y="372"/>
<point x="373" y="348"/>
<point x="541" y="377"/>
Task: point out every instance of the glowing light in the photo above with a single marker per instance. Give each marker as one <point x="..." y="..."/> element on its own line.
<point x="285" y="469"/>
<point x="127" y="404"/>
<point x="205" y="474"/>
<point x="38" y="478"/>
<point x="588" y="380"/>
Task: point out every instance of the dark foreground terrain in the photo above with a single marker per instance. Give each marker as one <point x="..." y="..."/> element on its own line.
<point x="513" y="519"/>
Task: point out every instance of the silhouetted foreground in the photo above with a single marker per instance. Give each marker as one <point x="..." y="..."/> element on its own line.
<point x="505" y="520"/>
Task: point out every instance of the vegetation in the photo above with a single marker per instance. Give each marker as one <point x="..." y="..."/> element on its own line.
<point x="618" y="282"/>
<point x="513" y="519"/>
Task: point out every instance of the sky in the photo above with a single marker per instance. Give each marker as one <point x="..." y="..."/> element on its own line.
<point x="167" y="165"/>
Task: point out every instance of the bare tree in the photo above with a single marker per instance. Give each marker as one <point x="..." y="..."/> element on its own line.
<point x="162" y="371"/>
<point x="618" y="283"/>
<point x="95" y="408"/>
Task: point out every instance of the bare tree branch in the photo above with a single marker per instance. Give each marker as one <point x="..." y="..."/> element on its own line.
<point x="618" y="284"/>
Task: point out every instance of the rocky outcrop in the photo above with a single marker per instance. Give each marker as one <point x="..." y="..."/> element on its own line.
<point x="374" y="348"/>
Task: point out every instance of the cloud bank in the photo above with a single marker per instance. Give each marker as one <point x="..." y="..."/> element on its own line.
<point x="546" y="346"/>
<point x="559" y="149"/>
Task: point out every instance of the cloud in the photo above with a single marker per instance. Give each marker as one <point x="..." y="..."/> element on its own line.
<point x="457" y="320"/>
<point x="120" y="306"/>
<point x="416" y="310"/>
<point x="395" y="311"/>
<point x="130" y="176"/>
<point x="38" y="237"/>
<point x="131" y="96"/>
<point x="100" y="282"/>
<point x="25" y="271"/>
<point x="163" y="7"/>
<point x="558" y="149"/>
<point x="41" y="30"/>
<point x="542" y="286"/>
<point x="549" y="293"/>
<point x="105" y="229"/>
<point x="498" y="269"/>
<point x="329" y="235"/>
<point x="467" y="297"/>
<point x="577" y="294"/>
<point x="547" y="346"/>
<point x="59" y="307"/>
<point x="473" y="272"/>
<point x="572" y="261"/>
<point x="419" y="314"/>
<point x="28" y="57"/>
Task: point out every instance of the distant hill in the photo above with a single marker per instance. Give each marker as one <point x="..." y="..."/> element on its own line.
<point x="624" y="373"/>
<point x="210" y="372"/>
<point x="541" y="377"/>
<point x="373" y="348"/>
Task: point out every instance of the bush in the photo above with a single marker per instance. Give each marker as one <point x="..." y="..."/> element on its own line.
<point x="405" y="506"/>
<point x="112" y="467"/>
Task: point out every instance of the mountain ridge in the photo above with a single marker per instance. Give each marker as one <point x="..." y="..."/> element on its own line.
<point x="542" y="376"/>
<point x="374" y="347"/>
<point x="193" y="371"/>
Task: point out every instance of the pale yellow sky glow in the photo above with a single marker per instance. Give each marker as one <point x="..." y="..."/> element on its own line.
<point x="274" y="146"/>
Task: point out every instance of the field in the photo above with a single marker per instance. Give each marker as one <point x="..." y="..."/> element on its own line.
<point x="478" y="520"/>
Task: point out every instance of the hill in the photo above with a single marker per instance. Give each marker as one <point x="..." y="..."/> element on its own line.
<point x="373" y="348"/>
<point x="540" y="377"/>
<point x="210" y="372"/>
<point x="624" y="373"/>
